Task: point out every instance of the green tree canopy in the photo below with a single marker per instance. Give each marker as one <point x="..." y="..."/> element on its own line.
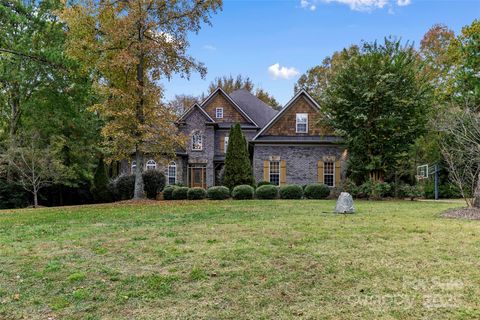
<point x="379" y="102"/>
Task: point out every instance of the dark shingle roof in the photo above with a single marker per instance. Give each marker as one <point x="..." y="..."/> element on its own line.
<point x="300" y="139"/>
<point x="256" y="109"/>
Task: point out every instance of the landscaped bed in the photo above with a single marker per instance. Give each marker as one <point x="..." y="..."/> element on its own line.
<point x="251" y="259"/>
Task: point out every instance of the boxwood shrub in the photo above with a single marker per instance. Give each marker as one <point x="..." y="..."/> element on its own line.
<point x="242" y="192"/>
<point x="196" y="194"/>
<point x="293" y="191"/>
<point x="124" y="186"/>
<point x="168" y="192"/>
<point x="264" y="183"/>
<point x="180" y="193"/>
<point x="266" y="192"/>
<point x="218" y="193"/>
<point x="317" y="191"/>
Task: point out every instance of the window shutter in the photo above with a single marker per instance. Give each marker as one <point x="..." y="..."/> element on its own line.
<point x="320" y="171"/>
<point x="266" y="169"/>
<point x="338" y="171"/>
<point x="283" y="172"/>
<point x="222" y="145"/>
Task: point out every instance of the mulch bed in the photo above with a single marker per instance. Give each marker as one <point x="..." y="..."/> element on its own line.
<point x="463" y="213"/>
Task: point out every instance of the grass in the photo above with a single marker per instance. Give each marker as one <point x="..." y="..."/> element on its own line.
<point x="239" y="260"/>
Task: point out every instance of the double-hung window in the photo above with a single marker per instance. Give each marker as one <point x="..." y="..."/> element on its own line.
<point x="275" y="172"/>
<point x="329" y="173"/>
<point x="172" y="173"/>
<point x="302" y="123"/>
<point x="219" y="113"/>
<point x="197" y="141"/>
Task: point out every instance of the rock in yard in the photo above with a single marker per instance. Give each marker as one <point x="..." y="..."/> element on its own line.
<point x="345" y="203"/>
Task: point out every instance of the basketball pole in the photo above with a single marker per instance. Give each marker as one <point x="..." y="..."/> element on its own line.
<point x="436" y="181"/>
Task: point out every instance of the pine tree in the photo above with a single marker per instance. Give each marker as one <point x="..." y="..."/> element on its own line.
<point x="238" y="169"/>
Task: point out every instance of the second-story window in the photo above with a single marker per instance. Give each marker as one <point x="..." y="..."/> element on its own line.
<point x="219" y="113"/>
<point x="302" y="123"/>
<point x="151" y="164"/>
<point x="225" y="144"/>
<point x="197" y="141"/>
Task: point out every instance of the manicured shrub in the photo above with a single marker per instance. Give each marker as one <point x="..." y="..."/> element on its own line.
<point x="180" y="193"/>
<point x="264" y="183"/>
<point x="124" y="186"/>
<point x="267" y="191"/>
<point x="411" y="192"/>
<point x="168" y="192"/>
<point x="243" y="192"/>
<point x="218" y="193"/>
<point x="293" y="191"/>
<point x="317" y="191"/>
<point x="349" y="186"/>
<point x="153" y="183"/>
<point x="196" y="194"/>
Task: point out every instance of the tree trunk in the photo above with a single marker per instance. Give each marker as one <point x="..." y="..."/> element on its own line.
<point x="476" y="194"/>
<point x="35" y="198"/>
<point x="138" y="192"/>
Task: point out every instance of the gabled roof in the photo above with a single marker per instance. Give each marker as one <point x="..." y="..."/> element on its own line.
<point x="285" y="108"/>
<point x="254" y="107"/>
<point x="186" y="113"/>
<point x="235" y="105"/>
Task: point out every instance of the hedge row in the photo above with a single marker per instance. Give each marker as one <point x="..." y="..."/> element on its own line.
<point x="246" y="192"/>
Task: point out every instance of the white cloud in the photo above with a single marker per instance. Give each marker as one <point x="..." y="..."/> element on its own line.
<point x="306" y="4"/>
<point x="209" y="47"/>
<point x="402" y="3"/>
<point x="278" y="72"/>
<point x="358" y="5"/>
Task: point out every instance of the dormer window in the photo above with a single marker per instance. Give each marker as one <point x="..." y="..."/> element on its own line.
<point x="219" y="113"/>
<point x="302" y="123"/>
<point x="197" y="141"/>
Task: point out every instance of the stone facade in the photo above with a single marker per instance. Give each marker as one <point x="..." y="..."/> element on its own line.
<point x="301" y="160"/>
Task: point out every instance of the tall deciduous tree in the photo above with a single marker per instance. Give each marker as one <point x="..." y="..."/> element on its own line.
<point x="230" y="84"/>
<point x="238" y="169"/>
<point x="379" y="102"/>
<point x="132" y="45"/>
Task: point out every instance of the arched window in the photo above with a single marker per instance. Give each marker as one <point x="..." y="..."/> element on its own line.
<point x="151" y="165"/>
<point x="197" y="141"/>
<point x="134" y="165"/>
<point x="172" y="173"/>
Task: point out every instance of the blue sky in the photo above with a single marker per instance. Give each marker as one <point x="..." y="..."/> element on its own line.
<point x="273" y="42"/>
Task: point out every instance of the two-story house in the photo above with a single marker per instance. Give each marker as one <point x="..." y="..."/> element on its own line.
<point x="287" y="146"/>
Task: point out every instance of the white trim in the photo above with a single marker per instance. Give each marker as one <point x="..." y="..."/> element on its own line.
<point x="172" y="164"/>
<point x="151" y="162"/>
<point x="225" y="144"/>
<point x="231" y="100"/>
<point x="296" y="123"/>
<point x="270" y="170"/>
<point x="191" y="108"/>
<point x="288" y="105"/>
<point x="217" y="113"/>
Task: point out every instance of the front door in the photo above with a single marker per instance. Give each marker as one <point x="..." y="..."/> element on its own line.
<point x="197" y="177"/>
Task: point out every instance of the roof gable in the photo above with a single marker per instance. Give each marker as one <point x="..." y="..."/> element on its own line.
<point x="235" y="114"/>
<point x="293" y="103"/>
<point x="191" y="109"/>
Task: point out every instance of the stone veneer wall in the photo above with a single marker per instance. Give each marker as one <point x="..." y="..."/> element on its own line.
<point x="196" y="122"/>
<point x="301" y="161"/>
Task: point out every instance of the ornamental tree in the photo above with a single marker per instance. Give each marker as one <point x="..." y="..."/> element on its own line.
<point x="238" y="169"/>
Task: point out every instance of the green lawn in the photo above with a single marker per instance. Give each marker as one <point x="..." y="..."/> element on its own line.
<point x="239" y="260"/>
